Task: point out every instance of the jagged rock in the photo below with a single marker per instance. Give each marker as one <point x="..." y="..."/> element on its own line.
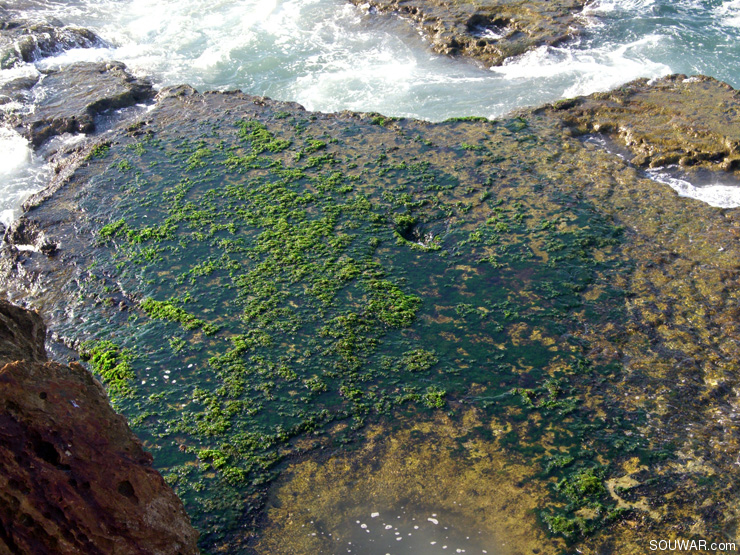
<point x="26" y="41"/>
<point x="22" y="334"/>
<point x="72" y="96"/>
<point x="26" y="233"/>
<point x="490" y="31"/>
<point x="657" y="121"/>
<point x="74" y="478"/>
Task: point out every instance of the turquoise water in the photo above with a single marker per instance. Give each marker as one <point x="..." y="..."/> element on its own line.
<point x="332" y="56"/>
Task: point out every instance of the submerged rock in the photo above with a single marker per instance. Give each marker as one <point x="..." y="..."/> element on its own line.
<point x="22" y="334"/>
<point x="289" y="277"/>
<point x="71" y="97"/>
<point x="490" y="31"/>
<point x="18" y="90"/>
<point x="74" y="478"/>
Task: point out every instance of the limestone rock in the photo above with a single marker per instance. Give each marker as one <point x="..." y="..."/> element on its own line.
<point x="74" y="478"/>
<point x="657" y="121"/>
<point x="72" y="96"/>
<point x="22" y="334"/>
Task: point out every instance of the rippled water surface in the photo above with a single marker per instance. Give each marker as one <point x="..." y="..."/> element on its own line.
<point x="330" y="56"/>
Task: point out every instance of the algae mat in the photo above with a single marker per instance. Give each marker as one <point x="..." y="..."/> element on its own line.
<point x="270" y="293"/>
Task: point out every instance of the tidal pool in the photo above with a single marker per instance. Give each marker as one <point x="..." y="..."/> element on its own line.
<point x="404" y="530"/>
<point x="267" y="291"/>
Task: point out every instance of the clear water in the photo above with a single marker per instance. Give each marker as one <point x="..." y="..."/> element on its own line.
<point x="411" y="531"/>
<point x="331" y="56"/>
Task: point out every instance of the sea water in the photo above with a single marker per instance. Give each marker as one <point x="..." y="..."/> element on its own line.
<point x="329" y="55"/>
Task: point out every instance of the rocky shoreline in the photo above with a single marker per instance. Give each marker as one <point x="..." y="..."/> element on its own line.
<point x="491" y="31"/>
<point x="354" y="274"/>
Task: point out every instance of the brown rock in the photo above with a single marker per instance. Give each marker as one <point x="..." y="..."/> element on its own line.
<point x="492" y="30"/>
<point x="690" y="121"/>
<point x="22" y="334"/>
<point x="74" y="478"/>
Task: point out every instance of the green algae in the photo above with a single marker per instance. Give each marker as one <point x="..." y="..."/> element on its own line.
<point x="356" y="274"/>
<point x="296" y="260"/>
<point x="168" y="310"/>
<point x="113" y="365"/>
<point x="99" y="151"/>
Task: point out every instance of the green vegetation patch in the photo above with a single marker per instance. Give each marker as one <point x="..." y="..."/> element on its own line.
<point x="168" y="310"/>
<point x="112" y="364"/>
<point x="283" y="281"/>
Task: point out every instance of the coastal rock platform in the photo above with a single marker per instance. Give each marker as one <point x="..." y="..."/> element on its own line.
<point x="286" y="284"/>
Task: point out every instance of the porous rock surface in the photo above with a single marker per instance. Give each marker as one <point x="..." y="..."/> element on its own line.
<point x="74" y="478"/>
<point x="690" y="121"/>
<point x="491" y="30"/>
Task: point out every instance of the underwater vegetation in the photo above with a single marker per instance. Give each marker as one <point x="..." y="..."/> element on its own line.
<point x="263" y="286"/>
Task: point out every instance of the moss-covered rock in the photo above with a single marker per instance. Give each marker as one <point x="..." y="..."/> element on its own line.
<point x="282" y="282"/>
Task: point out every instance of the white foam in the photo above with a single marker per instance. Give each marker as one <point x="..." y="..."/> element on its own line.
<point x="584" y="72"/>
<point x="329" y="55"/>
<point x="15" y="153"/>
<point x="729" y="13"/>
<point x="609" y="6"/>
<point x="718" y="195"/>
<point x="21" y="174"/>
<point x="17" y="72"/>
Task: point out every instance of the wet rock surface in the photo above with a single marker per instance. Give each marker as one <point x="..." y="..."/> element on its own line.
<point x="18" y="90"/>
<point x="74" y="478"/>
<point x="490" y="31"/>
<point x="281" y="279"/>
<point x="69" y="99"/>
<point x="22" y="334"/>
<point x="689" y="121"/>
<point x="22" y="40"/>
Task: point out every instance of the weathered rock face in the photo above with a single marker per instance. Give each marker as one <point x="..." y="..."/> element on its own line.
<point x="74" y="478"/>
<point x="490" y="31"/>
<point x="72" y="97"/>
<point x="26" y="41"/>
<point x="674" y="120"/>
<point x="22" y="335"/>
